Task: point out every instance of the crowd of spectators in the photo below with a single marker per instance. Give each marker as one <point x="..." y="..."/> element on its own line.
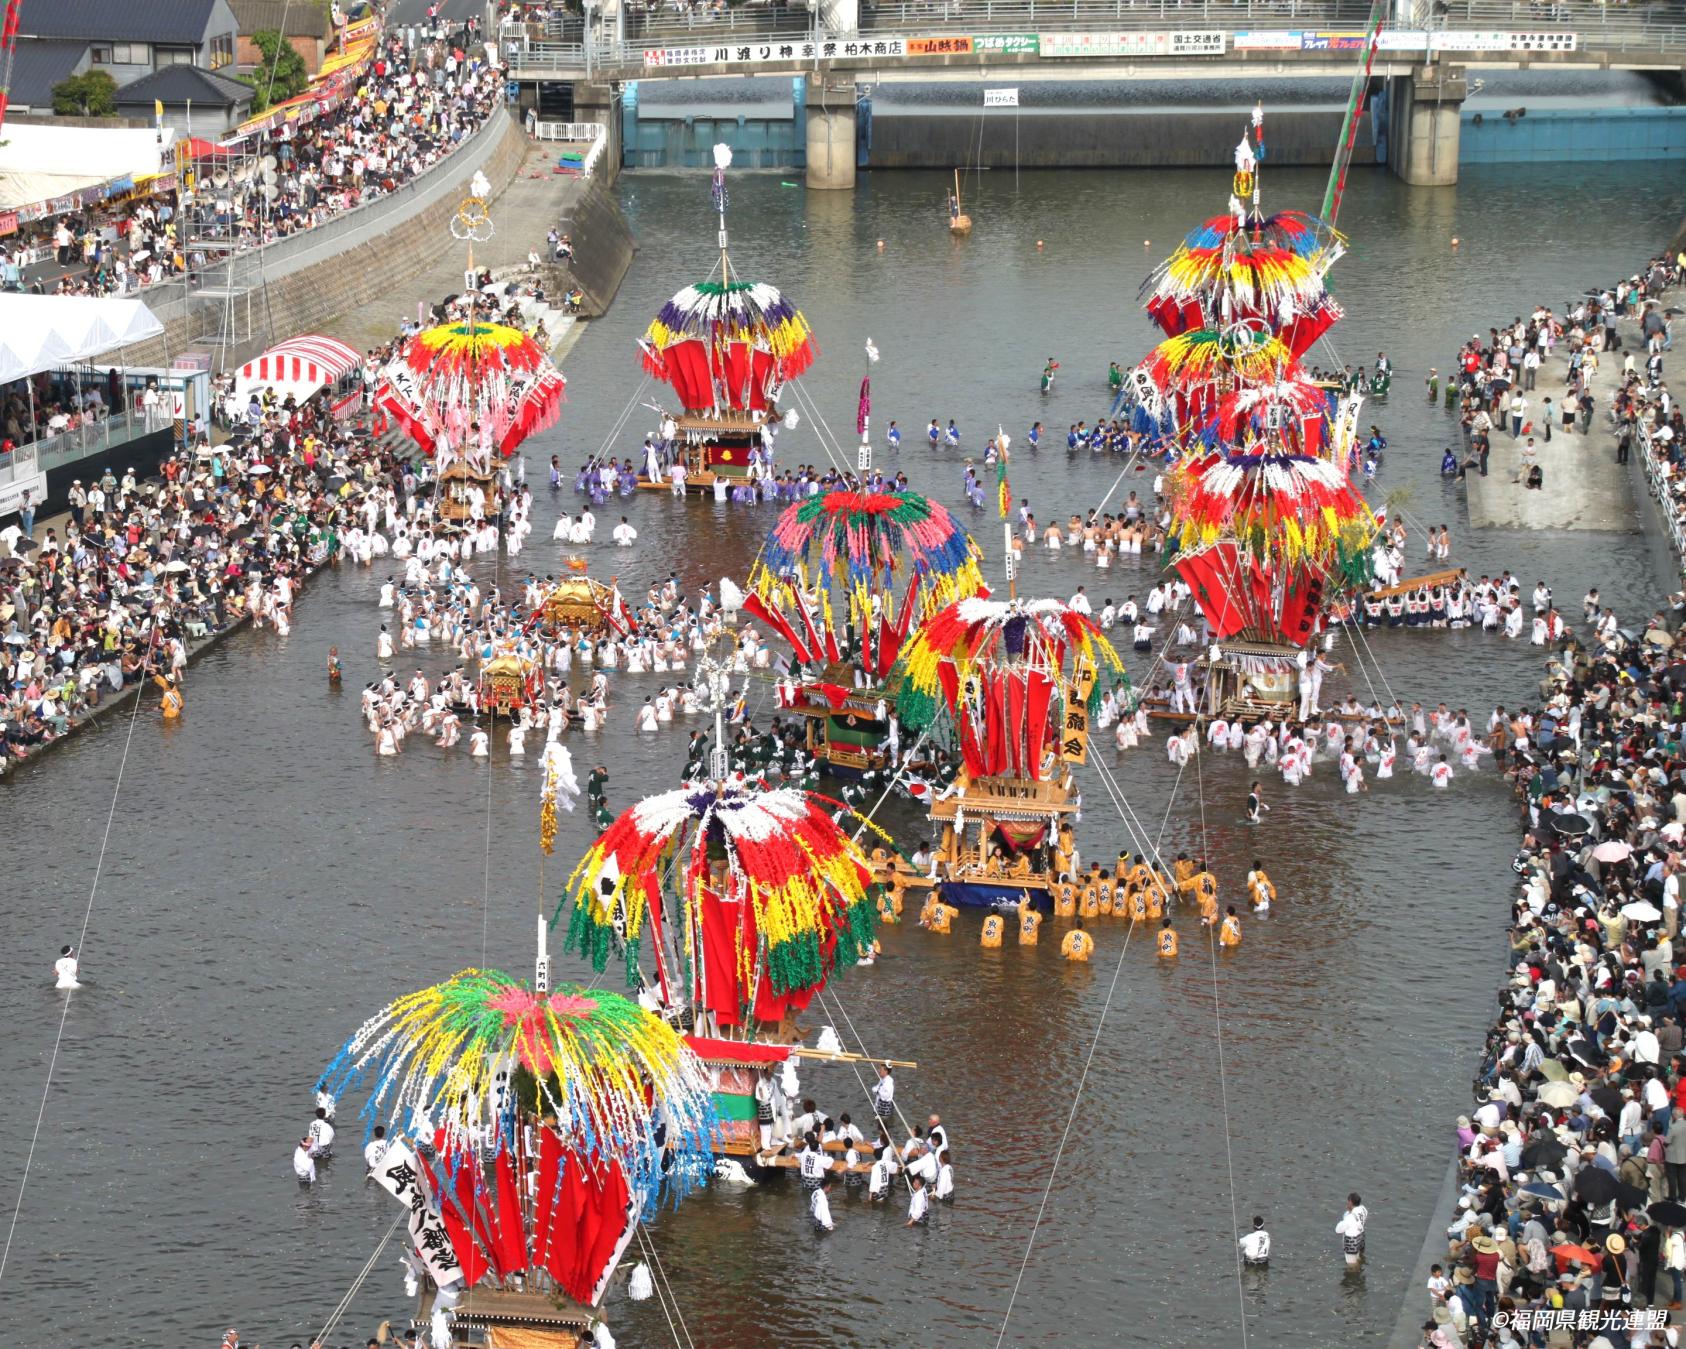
<point x="410" y="111"/>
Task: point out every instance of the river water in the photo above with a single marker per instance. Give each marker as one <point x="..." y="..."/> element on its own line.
<point x="269" y="882"/>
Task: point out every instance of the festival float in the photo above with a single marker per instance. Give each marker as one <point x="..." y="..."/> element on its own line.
<point x="530" y="1129"/>
<point x="468" y="393"/>
<point x="726" y="347"/>
<point x="1017" y="681"/>
<point x="1266" y="528"/>
<point x="749" y="902"/>
<point x="844" y="578"/>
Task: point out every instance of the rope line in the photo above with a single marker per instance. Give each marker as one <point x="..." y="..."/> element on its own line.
<point x="87" y="916"/>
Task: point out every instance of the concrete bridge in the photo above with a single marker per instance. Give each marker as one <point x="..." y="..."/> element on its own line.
<point x="1422" y="62"/>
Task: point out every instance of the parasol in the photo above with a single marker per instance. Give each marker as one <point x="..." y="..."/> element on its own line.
<point x="730" y="344"/>
<point x="1595" y="1185"/>
<point x="1540" y="1190"/>
<point x="1558" y="1095"/>
<point x="1567" y="825"/>
<point x="854" y="547"/>
<point x="1544" y="1150"/>
<point x="463" y="390"/>
<point x="1607" y="1099"/>
<point x="772" y="895"/>
<point x="1613" y="850"/>
<point x="1570" y="1254"/>
<point x="1668" y="1213"/>
<point x="1642" y="911"/>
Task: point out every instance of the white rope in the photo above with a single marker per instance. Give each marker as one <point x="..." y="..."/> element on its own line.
<point x="661" y="1298"/>
<point x="81" y="941"/>
<point x="1223" y="1087"/>
<point x="344" y="1303"/>
<point x="620" y="421"/>
<point x="822" y="429"/>
<point x="866" y="1090"/>
<point x="1077" y="1096"/>
<point x="662" y="1280"/>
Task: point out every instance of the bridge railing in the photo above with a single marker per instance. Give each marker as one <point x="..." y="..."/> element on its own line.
<point x="1643" y="27"/>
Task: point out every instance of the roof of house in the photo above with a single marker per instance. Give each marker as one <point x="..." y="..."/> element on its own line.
<point x="37" y="65"/>
<point x="304" y="18"/>
<point x="176" y="85"/>
<point x="180" y="21"/>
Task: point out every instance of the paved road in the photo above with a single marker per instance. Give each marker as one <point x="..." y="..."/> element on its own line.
<point x="404" y="13"/>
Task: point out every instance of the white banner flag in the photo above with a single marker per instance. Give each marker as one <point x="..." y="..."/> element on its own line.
<point x="1001" y="98"/>
<point x="399" y="1174"/>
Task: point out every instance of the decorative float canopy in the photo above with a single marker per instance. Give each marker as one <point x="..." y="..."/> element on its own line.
<point x="463" y="390"/>
<point x="728" y="345"/>
<point x="1258" y="536"/>
<point x="842" y="554"/>
<point x="1248" y="265"/>
<point x="1004" y="672"/>
<point x="578" y="1099"/>
<point x="771" y="895"/>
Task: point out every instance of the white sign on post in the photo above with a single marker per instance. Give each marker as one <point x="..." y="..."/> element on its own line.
<point x="1001" y="98"/>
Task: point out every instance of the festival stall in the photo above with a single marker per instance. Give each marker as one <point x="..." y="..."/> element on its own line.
<point x="300" y="368"/>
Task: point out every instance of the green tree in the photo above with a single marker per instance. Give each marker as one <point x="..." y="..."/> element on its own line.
<point x="91" y="94"/>
<point x="279" y="75"/>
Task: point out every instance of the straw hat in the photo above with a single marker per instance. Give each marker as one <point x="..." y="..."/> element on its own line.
<point x="1487" y="1246"/>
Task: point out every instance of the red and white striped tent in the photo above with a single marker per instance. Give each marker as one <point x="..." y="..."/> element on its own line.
<point x="299" y="366"/>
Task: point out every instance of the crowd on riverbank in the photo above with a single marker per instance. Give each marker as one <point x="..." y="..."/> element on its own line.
<point x="411" y="110"/>
<point x="144" y="570"/>
<point x="1570" y="1226"/>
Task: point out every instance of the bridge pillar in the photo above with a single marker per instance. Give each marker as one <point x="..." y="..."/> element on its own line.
<point x="831" y="132"/>
<point x="594" y="102"/>
<point x="1425" y="117"/>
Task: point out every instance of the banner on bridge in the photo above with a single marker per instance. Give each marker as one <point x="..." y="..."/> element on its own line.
<point x="1007" y="44"/>
<point x="758" y="53"/>
<point x="1183" y="42"/>
<point x="1414" y="42"/>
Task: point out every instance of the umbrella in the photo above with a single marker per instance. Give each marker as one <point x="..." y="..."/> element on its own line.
<point x="1668" y="1213"/>
<point x="1570" y="826"/>
<point x="1545" y="1149"/>
<point x="1540" y="1190"/>
<point x="1553" y="1071"/>
<point x="1595" y="1185"/>
<point x="177" y="565"/>
<point x="1612" y="850"/>
<point x="1557" y="1094"/>
<point x="1641" y="911"/>
<point x="260" y="469"/>
<point x="1584" y="1052"/>
<point x="1607" y="1099"/>
<point x="1569" y="1254"/>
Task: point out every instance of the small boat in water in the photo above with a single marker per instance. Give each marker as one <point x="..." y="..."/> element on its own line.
<point x="958" y="221"/>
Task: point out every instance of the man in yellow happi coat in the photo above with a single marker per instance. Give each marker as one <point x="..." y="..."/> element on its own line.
<point x="172" y="702"/>
<point x="1182" y="869"/>
<point x="1077" y="944"/>
<point x="1261" y="891"/>
<point x="1201" y="888"/>
<point x="1167" y="943"/>
<point x="992" y="928"/>
<point x="1065" y="899"/>
<point x="1229" y="932"/>
<point x="1030" y="921"/>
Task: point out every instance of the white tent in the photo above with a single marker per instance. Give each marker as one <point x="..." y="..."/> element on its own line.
<point x="39" y="162"/>
<point x="42" y="332"/>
